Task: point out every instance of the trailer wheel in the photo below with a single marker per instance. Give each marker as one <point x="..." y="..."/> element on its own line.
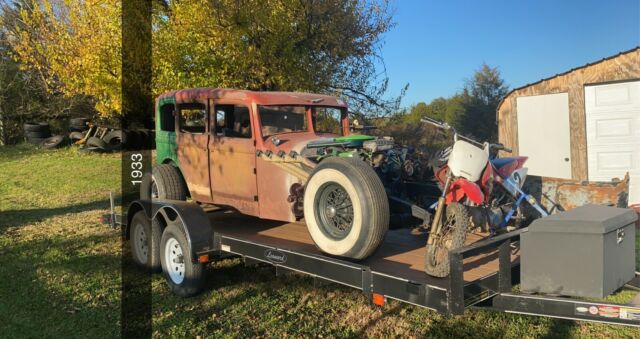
<point x="453" y="235"/>
<point x="346" y="208"/>
<point x="185" y="277"/>
<point x="165" y="182"/>
<point x="144" y="239"/>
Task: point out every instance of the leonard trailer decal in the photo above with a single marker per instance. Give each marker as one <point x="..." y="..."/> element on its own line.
<point x="608" y="311"/>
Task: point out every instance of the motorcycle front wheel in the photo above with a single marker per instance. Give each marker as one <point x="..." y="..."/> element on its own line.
<point x="453" y="233"/>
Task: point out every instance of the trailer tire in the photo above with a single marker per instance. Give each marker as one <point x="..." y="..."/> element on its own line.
<point x="165" y="182"/>
<point x="437" y="254"/>
<point x="144" y="238"/>
<point x="351" y="226"/>
<point x="184" y="276"/>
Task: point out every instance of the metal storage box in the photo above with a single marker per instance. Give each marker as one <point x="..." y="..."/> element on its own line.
<point x="586" y="252"/>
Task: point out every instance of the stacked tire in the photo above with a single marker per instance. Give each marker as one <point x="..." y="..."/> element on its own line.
<point x="112" y="141"/>
<point x="78" y="125"/>
<point x="39" y="133"/>
<point x="36" y="132"/>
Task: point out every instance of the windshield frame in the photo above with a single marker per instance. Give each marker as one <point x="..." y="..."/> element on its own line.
<point x="344" y="119"/>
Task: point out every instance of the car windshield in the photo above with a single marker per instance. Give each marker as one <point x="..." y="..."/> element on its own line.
<point x="327" y="120"/>
<point x="288" y="119"/>
<point x="282" y="119"/>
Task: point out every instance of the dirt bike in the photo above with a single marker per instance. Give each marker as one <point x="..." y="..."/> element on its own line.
<point x="478" y="190"/>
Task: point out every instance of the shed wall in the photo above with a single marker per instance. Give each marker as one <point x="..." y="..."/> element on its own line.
<point x="623" y="67"/>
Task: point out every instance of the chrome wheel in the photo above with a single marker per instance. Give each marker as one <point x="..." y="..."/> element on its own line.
<point x="334" y="210"/>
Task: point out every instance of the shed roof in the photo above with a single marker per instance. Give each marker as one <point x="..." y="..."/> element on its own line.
<point x="637" y="48"/>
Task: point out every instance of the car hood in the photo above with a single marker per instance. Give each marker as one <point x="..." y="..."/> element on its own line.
<point x="295" y="141"/>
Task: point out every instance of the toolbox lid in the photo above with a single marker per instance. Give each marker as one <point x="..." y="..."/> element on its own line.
<point x="592" y="219"/>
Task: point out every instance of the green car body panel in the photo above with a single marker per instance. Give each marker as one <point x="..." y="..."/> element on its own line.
<point x="165" y="141"/>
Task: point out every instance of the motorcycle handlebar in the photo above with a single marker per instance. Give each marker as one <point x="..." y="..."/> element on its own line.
<point x="501" y="147"/>
<point x="436" y="123"/>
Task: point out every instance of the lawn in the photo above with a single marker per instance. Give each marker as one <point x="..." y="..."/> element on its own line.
<point x="60" y="275"/>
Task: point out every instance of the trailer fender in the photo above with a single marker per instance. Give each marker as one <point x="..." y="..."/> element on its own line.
<point x="187" y="215"/>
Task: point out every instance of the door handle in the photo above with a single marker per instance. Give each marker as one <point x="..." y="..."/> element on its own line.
<point x="566" y="159"/>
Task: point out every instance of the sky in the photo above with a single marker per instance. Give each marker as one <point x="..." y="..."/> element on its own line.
<point x="437" y="45"/>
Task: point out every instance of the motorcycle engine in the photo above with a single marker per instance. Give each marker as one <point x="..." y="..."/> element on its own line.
<point x="486" y="218"/>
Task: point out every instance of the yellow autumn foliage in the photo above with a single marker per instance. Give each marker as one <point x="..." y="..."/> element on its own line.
<point x="320" y="46"/>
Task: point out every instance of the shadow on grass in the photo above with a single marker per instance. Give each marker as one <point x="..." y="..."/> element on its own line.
<point x="44" y="300"/>
<point x="17" y="218"/>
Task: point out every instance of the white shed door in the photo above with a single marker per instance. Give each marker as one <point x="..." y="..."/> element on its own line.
<point x="613" y="133"/>
<point x="543" y="134"/>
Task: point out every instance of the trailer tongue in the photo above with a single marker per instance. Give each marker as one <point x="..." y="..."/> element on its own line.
<point x="482" y="275"/>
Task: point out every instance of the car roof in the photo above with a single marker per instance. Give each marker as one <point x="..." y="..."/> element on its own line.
<point x="258" y="97"/>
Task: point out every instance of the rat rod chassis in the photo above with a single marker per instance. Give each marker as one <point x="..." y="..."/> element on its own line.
<point x="209" y="241"/>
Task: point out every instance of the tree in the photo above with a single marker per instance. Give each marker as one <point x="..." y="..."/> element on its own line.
<point x="442" y="109"/>
<point x="316" y="46"/>
<point x="23" y="90"/>
<point x="480" y="99"/>
<point x="74" y="46"/>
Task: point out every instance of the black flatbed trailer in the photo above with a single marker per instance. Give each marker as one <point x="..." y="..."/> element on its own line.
<point x="482" y="275"/>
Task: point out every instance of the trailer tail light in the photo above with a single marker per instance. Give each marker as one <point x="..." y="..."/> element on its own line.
<point x="203" y="259"/>
<point x="378" y="299"/>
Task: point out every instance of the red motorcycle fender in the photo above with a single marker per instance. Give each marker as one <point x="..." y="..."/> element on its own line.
<point x="461" y="188"/>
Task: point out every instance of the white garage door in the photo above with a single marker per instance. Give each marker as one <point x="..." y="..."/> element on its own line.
<point x="613" y="133"/>
<point x="543" y="134"/>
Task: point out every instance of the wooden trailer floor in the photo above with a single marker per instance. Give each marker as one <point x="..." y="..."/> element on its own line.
<point x="402" y="253"/>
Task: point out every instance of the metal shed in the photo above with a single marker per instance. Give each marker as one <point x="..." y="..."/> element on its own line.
<point x="583" y="124"/>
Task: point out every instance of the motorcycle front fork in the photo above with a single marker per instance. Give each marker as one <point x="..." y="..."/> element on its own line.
<point x="435" y="223"/>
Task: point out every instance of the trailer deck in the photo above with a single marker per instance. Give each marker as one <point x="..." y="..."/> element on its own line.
<point x="400" y="258"/>
<point x="481" y="274"/>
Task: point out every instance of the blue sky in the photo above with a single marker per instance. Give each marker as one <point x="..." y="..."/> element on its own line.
<point x="436" y="45"/>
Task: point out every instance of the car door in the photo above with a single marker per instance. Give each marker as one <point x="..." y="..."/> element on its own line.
<point x="166" y="131"/>
<point x="192" y="137"/>
<point x="232" y="156"/>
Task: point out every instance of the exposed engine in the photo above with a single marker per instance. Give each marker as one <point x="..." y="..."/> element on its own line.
<point x="393" y="162"/>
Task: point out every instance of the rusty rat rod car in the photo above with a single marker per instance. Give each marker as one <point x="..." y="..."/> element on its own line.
<point x="286" y="157"/>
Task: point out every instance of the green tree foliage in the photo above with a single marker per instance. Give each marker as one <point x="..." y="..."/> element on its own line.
<point x="472" y="112"/>
<point x="480" y="99"/>
<point x="314" y="46"/>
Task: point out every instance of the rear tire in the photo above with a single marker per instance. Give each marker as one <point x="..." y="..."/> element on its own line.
<point x="165" y="183"/>
<point x="184" y="277"/>
<point x="454" y="234"/>
<point x="346" y="208"/>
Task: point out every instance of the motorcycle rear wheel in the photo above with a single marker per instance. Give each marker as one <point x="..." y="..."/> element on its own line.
<point x="453" y="235"/>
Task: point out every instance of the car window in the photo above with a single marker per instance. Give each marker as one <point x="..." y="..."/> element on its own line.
<point x="327" y="120"/>
<point x="232" y="121"/>
<point x="167" y="119"/>
<point x="193" y="118"/>
<point x="282" y="119"/>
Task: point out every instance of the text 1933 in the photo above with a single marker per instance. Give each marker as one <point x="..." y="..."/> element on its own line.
<point x="136" y="169"/>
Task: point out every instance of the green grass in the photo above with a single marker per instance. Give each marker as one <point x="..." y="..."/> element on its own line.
<point x="60" y="275"/>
